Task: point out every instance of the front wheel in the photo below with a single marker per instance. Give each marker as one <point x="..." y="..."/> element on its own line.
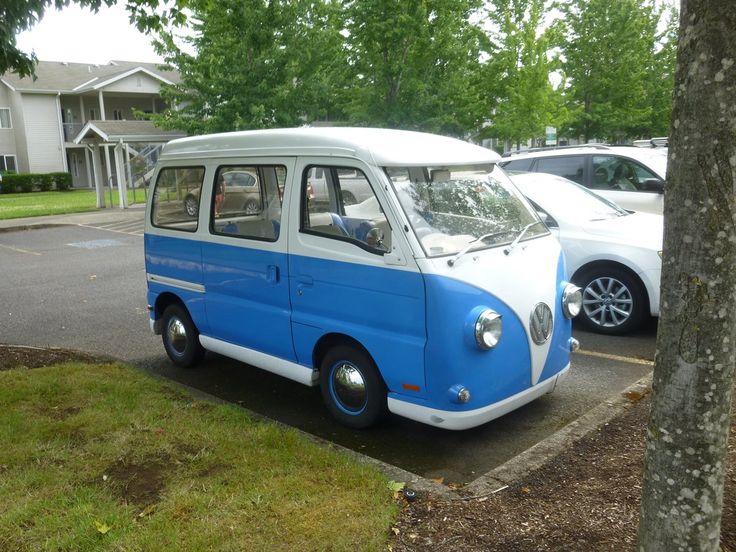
<point x="614" y="301"/>
<point x="352" y="387"/>
<point x="181" y="337"/>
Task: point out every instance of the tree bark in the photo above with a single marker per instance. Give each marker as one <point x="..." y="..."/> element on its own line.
<point x="682" y="494"/>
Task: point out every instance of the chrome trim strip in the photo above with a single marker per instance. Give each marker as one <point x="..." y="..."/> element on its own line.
<point x="181" y="284"/>
<point x="279" y="366"/>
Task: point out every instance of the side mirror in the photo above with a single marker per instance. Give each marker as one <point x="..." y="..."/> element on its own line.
<point x="653" y="185"/>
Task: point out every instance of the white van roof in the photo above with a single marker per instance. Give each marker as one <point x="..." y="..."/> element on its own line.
<point x="384" y="147"/>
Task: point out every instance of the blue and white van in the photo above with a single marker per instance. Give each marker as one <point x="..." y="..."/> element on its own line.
<point x="440" y="296"/>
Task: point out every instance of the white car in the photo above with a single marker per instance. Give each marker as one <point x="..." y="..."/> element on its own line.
<point x="632" y="177"/>
<point x="614" y="255"/>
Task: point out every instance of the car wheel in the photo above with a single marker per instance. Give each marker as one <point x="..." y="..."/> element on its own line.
<point x="251" y="207"/>
<point x="191" y="206"/>
<point x="352" y="387"/>
<point x="614" y="301"/>
<point x="348" y="198"/>
<point x="181" y="337"/>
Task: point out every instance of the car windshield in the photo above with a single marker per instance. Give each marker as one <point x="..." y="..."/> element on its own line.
<point x="451" y="208"/>
<point x="566" y="200"/>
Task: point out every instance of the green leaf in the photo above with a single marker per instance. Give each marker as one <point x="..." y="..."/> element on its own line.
<point x="396" y="486"/>
<point x="102" y="527"/>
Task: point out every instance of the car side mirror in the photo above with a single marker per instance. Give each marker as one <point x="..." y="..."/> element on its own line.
<point x="653" y="185"/>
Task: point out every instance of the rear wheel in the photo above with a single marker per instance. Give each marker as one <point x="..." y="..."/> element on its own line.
<point x="614" y="301"/>
<point x="181" y="337"/>
<point x="191" y="206"/>
<point x="352" y="387"/>
<point x="251" y="207"/>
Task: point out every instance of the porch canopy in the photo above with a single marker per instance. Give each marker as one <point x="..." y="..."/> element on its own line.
<point x="97" y="135"/>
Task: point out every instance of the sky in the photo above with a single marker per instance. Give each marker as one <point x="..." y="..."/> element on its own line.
<point x="78" y="35"/>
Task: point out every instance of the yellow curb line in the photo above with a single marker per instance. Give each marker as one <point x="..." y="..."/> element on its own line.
<point x="630" y="360"/>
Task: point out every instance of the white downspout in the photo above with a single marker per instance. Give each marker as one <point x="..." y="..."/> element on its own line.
<point x="61" y="133"/>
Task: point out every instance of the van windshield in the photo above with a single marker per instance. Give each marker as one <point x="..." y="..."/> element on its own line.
<point x="451" y="207"/>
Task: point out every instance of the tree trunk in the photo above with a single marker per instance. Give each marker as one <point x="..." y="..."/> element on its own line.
<point x="682" y="495"/>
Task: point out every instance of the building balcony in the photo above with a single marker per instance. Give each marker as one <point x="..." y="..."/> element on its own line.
<point x="71" y="130"/>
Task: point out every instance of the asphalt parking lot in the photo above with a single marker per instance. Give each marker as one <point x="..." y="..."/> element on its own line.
<point x="83" y="286"/>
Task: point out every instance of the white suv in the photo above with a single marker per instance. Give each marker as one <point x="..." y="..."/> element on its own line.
<point x="630" y="176"/>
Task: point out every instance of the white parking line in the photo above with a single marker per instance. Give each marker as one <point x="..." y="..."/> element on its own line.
<point x="18" y="250"/>
<point x="630" y="360"/>
<point x="130" y="229"/>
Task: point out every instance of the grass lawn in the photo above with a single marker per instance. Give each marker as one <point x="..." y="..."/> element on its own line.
<point x="36" y="204"/>
<point x="104" y="457"/>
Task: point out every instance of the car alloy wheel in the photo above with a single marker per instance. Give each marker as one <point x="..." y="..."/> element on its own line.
<point x="607" y="302"/>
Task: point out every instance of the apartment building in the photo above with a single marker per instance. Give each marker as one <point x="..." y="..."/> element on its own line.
<point x="73" y="112"/>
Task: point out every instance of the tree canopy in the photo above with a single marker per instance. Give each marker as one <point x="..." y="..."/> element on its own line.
<point x="518" y="71"/>
<point x="609" y="57"/>
<point x="254" y="64"/>
<point x="483" y="68"/>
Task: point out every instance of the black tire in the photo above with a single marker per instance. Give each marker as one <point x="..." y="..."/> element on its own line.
<point x="251" y="207"/>
<point x="181" y="337"/>
<point x="359" y="407"/>
<point x="191" y="206"/>
<point x="614" y="300"/>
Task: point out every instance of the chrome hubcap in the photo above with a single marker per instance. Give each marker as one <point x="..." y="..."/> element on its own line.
<point x="348" y="386"/>
<point x="607" y="302"/>
<point x="191" y="207"/>
<point x="177" y="335"/>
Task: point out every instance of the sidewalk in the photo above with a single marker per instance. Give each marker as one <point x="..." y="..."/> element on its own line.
<point x="100" y="216"/>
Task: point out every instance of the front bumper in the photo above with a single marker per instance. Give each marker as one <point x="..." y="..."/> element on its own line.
<point x="458" y="420"/>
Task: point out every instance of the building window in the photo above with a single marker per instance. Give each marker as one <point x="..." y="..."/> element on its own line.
<point x="93" y="114"/>
<point x="7" y="163"/>
<point x="5" y="121"/>
<point x="117" y="114"/>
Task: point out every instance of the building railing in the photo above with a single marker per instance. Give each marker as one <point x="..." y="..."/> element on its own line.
<point x="71" y="130"/>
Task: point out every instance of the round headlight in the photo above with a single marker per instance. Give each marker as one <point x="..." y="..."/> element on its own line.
<point x="488" y="329"/>
<point x="572" y="300"/>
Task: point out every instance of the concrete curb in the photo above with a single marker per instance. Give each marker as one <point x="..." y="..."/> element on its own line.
<point x="535" y="457"/>
<point x="98" y="216"/>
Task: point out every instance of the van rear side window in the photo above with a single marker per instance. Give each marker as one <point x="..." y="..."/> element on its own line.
<point x="246" y="201"/>
<point x="175" y="199"/>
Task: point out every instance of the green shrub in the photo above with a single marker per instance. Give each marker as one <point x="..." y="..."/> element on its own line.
<point x="23" y="182"/>
<point x="29" y="182"/>
<point x="7" y="186"/>
<point x="63" y="180"/>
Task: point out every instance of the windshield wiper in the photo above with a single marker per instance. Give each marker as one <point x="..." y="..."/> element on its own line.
<point x="484" y="237"/>
<point x="514" y="243"/>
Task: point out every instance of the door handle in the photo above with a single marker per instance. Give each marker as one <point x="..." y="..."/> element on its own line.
<point x="272" y="274"/>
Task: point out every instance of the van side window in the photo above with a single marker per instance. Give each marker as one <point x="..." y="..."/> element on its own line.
<point x="246" y="201"/>
<point x="339" y="203"/>
<point x="175" y="199"/>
